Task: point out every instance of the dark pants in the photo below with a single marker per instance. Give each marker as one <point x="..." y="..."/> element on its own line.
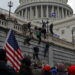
<point x="45" y="52"/>
<point x="35" y="56"/>
<point x="39" y="40"/>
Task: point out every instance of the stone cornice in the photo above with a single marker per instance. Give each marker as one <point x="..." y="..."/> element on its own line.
<point x="57" y="1"/>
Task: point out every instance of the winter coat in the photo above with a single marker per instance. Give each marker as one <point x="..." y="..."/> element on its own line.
<point x="25" y="70"/>
<point x="5" y="70"/>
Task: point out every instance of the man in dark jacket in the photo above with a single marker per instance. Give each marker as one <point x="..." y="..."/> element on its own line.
<point x="46" y="49"/>
<point x="35" y="53"/>
<point x="26" y="67"/>
<point x="4" y="68"/>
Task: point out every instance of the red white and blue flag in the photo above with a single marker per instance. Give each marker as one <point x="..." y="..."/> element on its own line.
<point x="13" y="51"/>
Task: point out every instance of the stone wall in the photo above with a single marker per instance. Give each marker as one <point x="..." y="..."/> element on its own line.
<point x="57" y="53"/>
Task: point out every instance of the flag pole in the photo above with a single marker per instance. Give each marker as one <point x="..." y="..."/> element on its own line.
<point x="7" y="36"/>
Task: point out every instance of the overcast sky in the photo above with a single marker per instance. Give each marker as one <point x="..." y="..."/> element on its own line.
<point x="4" y="4"/>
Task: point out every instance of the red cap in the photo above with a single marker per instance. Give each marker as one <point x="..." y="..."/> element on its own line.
<point x="71" y="69"/>
<point x="46" y="68"/>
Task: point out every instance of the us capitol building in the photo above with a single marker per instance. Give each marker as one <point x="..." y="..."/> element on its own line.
<point x="38" y="10"/>
<point x="58" y="12"/>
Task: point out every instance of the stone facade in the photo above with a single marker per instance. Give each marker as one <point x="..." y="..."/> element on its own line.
<point x="56" y="54"/>
<point x="64" y="28"/>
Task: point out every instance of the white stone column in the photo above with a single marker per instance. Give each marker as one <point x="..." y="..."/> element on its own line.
<point x="63" y="12"/>
<point x="66" y="12"/>
<point x="20" y="13"/>
<point x="31" y="13"/>
<point x="69" y="13"/>
<point x="47" y="11"/>
<point x="36" y="12"/>
<point x="41" y="11"/>
<point x="58" y="12"/>
<point x="52" y="11"/>
<point x="26" y="13"/>
<point x="50" y="56"/>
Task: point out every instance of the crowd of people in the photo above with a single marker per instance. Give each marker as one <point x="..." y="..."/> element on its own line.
<point x="30" y="68"/>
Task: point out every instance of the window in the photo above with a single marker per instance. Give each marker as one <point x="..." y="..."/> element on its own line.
<point x="33" y="8"/>
<point x="44" y="11"/>
<point x="39" y="11"/>
<point x="23" y="12"/>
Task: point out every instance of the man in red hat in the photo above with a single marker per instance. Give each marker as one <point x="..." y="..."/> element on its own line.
<point x="71" y="70"/>
<point x="46" y="70"/>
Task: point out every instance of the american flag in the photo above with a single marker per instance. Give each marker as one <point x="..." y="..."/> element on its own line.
<point x="13" y="51"/>
<point x="53" y="14"/>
